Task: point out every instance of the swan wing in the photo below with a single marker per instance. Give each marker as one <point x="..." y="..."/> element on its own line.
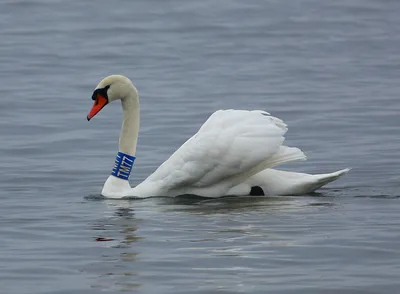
<point x="230" y="146"/>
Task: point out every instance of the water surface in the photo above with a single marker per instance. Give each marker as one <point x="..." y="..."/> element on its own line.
<point x="329" y="69"/>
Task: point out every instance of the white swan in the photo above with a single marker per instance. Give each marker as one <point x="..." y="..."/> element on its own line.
<point x="231" y="154"/>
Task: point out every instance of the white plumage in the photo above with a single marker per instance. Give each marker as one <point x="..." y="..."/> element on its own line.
<point x="232" y="152"/>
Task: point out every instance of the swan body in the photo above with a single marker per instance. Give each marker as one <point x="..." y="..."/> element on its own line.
<point x="232" y="154"/>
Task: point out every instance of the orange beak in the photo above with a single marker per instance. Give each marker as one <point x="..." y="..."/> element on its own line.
<point x="98" y="105"/>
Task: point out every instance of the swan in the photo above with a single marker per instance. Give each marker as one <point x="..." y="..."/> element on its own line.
<point x="231" y="154"/>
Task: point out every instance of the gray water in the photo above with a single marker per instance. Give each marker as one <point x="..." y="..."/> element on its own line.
<point x="330" y="69"/>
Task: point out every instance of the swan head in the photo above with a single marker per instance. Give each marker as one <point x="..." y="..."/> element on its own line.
<point x="111" y="88"/>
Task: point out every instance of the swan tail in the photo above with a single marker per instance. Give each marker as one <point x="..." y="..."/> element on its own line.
<point x="305" y="184"/>
<point x="323" y="179"/>
<point x="278" y="182"/>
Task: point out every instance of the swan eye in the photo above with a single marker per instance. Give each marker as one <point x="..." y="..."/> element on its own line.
<point x="101" y="91"/>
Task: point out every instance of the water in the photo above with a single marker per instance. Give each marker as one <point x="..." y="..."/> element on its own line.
<point x="328" y="68"/>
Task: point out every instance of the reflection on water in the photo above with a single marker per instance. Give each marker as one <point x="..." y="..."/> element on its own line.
<point x="205" y="235"/>
<point x="117" y="231"/>
<point x="229" y="204"/>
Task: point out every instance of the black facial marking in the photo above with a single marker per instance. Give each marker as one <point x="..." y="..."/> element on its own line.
<point x="102" y="92"/>
<point x="256" y="191"/>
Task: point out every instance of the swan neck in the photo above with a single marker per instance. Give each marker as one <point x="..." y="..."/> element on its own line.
<point x="130" y="125"/>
